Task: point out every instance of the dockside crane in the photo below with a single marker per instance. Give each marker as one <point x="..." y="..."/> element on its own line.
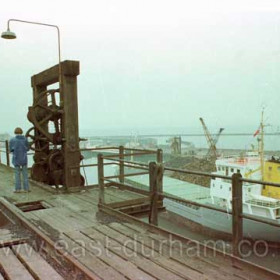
<point x="212" y="141"/>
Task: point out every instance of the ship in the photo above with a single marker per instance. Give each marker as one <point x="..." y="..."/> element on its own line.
<point x="262" y="202"/>
<point x="259" y="201"/>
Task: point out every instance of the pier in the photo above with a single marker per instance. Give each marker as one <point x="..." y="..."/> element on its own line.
<point x="68" y="229"/>
<point x="92" y="244"/>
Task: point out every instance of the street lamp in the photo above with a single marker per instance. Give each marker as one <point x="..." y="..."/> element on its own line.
<point x="11" y="35"/>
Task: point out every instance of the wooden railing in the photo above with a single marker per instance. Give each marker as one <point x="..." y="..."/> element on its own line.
<point x="155" y="170"/>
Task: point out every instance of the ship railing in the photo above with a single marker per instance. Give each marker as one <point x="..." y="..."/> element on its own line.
<point x="259" y="202"/>
<point x="154" y="192"/>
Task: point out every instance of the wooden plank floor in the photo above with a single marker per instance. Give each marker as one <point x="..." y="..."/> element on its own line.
<point x="21" y="262"/>
<point x="112" y="248"/>
<point x="11" y="267"/>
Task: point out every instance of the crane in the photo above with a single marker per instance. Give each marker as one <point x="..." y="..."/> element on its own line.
<point x="212" y="152"/>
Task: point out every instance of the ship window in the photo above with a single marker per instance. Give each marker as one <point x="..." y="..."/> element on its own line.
<point x="226" y="171"/>
<point x="221" y="187"/>
<point x="232" y="170"/>
<point x="249" y="189"/>
<point x="219" y="168"/>
<point x="238" y="170"/>
<point x="229" y="189"/>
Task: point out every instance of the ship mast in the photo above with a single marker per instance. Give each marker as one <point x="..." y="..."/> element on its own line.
<point x="262" y="147"/>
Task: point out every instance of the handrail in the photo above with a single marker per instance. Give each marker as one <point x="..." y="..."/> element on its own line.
<point x="140" y="150"/>
<point x="260" y="182"/>
<point x="187" y="171"/>
<point x="127" y="161"/>
<point x="98" y="149"/>
<point x="128" y="155"/>
<point x="155" y="192"/>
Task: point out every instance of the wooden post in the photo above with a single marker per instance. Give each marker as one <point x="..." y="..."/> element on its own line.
<point x="7" y="152"/>
<point x="156" y="174"/>
<point x="121" y="164"/>
<point x="159" y="155"/>
<point x="101" y="179"/>
<point x="70" y="123"/>
<point x="159" y="161"/>
<point x="237" y="211"/>
<point x="153" y="219"/>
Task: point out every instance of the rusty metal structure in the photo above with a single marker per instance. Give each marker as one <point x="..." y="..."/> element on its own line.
<point x="55" y="133"/>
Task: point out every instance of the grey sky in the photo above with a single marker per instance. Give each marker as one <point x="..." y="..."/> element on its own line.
<point x="147" y="66"/>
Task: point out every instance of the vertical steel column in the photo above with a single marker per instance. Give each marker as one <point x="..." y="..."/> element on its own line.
<point x="237" y="211"/>
<point x="101" y="178"/>
<point x="7" y="152"/>
<point x="121" y="164"/>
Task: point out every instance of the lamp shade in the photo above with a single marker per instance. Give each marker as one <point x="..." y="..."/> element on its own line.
<point x="8" y="35"/>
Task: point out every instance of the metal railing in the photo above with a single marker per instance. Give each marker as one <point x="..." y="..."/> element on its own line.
<point x="156" y="193"/>
<point x="5" y="149"/>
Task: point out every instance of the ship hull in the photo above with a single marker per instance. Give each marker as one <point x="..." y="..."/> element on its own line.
<point x="222" y="222"/>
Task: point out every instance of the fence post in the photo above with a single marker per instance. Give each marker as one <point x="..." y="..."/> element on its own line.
<point x="237" y="211"/>
<point x="101" y="179"/>
<point x="153" y="217"/>
<point x="7" y="152"/>
<point x="159" y="155"/>
<point x="121" y="164"/>
<point x="156" y="174"/>
<point x="160" y="186"/>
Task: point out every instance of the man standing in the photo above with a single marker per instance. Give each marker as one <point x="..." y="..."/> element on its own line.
<point x="19" y="147"/>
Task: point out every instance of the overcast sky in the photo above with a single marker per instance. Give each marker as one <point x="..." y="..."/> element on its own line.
<point x="149" y="66"/>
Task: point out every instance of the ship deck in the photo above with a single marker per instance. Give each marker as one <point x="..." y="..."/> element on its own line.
<point x="115" y="248"/>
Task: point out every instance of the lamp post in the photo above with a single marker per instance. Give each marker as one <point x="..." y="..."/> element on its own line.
<point x="11" y="35"/>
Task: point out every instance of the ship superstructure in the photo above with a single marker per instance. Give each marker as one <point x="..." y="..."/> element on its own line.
<point x="254" y="200"/>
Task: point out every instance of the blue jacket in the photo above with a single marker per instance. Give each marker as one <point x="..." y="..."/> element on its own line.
<point x="19" y="147"/>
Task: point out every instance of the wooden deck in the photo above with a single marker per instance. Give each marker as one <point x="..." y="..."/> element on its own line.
<point x="116" y="248"/>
